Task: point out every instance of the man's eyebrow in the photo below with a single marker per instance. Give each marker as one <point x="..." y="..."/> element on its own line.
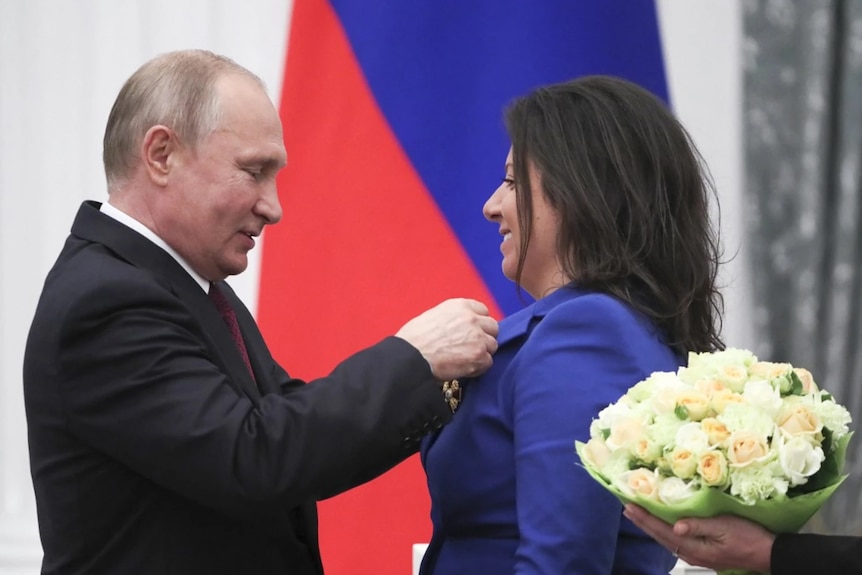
<point x="268" y="162"/>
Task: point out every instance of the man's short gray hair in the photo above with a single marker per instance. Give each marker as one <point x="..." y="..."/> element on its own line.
<point x="176" y="90"/>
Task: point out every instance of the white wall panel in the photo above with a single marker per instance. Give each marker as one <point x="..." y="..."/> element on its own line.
<point x="702" y="41"/>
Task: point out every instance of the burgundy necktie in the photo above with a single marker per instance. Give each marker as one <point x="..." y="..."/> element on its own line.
<point x="229" y="316"/>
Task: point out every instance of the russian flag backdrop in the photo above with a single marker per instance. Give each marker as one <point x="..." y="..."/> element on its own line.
<point x="394" y="133"/>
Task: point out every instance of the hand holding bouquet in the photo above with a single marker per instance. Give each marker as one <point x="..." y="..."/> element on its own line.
<point x="726" y="434"/>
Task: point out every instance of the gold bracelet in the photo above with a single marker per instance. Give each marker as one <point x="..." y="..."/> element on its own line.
<point x="452" y="393"/>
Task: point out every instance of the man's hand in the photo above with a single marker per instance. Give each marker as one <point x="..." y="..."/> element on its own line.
<point x="719" y="543"/>
<point x="457" y="338"/>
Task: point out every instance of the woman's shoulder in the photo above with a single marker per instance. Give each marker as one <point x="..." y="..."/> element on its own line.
<point x="595" y="320"/>
<point x="592" y="308"/>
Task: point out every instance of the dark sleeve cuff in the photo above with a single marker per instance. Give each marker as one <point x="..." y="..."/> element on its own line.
<point x="794" y="553"/>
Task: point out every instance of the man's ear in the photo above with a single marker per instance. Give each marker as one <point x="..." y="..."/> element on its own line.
<point x="159" y="144"/>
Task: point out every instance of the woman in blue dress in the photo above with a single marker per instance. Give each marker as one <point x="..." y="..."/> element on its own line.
<point x="604" y="218"/>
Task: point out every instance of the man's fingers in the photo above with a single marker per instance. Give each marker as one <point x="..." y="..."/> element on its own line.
<point x="489" y="325"/>
<point x="682" y="528"/>
<point x="491" y="345"/>
<point x="477" y="306"/>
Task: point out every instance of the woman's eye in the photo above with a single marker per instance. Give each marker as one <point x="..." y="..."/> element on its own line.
<point x="509" y="181"/>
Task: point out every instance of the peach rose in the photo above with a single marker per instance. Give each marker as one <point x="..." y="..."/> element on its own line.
<point x="721" y="399"/>
<point x="715" y="430"/>
<point x="808" y="385"/>
<point x="746" y="447"/>
<point x="709" y="386"/>
<point x="625" y="433"/>
<point x="712" y="467"/>
<point x="641" y="482"/>
<point x="683" y="463"/>
<point x="733" y="376"/>
<point x="646" y="450"/>
<point x="769" y="370"/>
<point x="798" y="419"/>
<point x="695" y="402"/>
<point x="597" y="453"/>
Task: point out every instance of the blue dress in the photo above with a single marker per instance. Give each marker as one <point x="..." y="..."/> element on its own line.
<point x="507" y="493"/>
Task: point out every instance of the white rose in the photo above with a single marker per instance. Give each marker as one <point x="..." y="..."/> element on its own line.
<point x="761" y="394"/>
<point x="666" y="392"/>
<point x="799" y="459"/>
<point x="610" y="415"/>
<point x="673" y="490"/>
<point x="646" y="389"/>
<point x="729" y="366"/>
<point x="691" y="437"/>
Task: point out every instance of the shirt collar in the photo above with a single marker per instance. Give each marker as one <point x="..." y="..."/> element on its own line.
<point x="126" y="219"/>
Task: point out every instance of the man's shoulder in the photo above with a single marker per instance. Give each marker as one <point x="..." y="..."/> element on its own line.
<point x="83" y="266"/>
<point x="89" y="279"/>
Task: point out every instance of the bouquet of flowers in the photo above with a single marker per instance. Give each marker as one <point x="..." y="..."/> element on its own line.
<point x="726" y="434"/>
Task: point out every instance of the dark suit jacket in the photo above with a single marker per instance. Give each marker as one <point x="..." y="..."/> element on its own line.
<point x="806" y="553"/>
<point x="153" y="451"/>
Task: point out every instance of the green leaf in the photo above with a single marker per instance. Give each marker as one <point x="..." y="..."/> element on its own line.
<point x="796" y="387"/>
<point x="681" y="411"/>
<point x="828" y="473"/>
<point x="840" y="452"/>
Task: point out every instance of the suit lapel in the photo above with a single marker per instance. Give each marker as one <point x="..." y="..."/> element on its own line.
<point x="91" y="225"/>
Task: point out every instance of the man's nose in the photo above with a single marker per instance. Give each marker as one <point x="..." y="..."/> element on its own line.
<point x="268" y="205"/>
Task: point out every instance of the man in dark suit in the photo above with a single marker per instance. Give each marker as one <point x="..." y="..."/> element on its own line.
<point x="731" y="542"/>
<point x="164" y="438"/>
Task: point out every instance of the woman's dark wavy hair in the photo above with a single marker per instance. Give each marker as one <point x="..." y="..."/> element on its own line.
<point x="633" y="195"/>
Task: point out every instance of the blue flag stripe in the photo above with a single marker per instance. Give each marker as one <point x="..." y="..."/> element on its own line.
<point x="442" y="72"/>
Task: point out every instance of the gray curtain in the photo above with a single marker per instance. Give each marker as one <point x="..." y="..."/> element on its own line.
<point x="803" y="154"/>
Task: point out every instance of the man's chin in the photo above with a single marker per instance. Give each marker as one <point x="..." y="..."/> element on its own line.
<point x="234" y="268"/>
